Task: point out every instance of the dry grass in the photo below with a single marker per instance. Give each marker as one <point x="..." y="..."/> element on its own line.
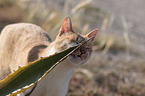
<point x="9" y="12"/>
<point x="8" y="3"/>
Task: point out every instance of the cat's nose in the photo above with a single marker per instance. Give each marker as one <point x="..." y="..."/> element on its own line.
<point x="83" y="50"/>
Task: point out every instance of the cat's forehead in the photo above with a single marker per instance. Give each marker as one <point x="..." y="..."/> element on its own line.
<point x="72" y="37"/>
<point x="80" y="37"/>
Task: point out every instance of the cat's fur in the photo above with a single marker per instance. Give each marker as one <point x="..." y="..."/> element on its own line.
<point x="22" y="43"/>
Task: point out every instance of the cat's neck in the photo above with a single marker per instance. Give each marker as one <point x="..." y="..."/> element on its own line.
<point x="50" y="50"/>
<point x="53" y="48"/>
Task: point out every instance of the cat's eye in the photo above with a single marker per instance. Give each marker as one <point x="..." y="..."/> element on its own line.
<point x="79" y="39"/>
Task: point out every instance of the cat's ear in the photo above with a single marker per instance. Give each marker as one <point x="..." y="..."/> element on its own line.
<point x="92" y="34"/>
<point x="66" y="26"/>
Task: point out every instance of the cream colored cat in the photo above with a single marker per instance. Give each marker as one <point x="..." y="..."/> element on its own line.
<point x="23" y="42"/>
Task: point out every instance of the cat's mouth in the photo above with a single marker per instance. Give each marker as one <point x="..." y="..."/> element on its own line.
<point x="79" y="54"/>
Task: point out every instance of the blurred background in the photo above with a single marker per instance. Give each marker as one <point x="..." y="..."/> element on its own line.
<point x="117" y="65"/>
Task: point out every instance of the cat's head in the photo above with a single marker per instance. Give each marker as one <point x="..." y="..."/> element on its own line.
<point x="68" y="38"/>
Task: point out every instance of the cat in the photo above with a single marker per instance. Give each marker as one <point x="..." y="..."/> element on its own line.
<point x="24" y="42"/>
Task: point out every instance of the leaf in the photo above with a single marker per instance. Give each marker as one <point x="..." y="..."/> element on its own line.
<point x="33" y="72"/>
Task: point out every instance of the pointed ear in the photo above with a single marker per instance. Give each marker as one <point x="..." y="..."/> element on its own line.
<point x="66" y="26"/>
<point x="92" y="34"/>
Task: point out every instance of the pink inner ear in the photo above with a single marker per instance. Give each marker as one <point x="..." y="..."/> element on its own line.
<point x="66" y="26"/>
<point x="92" y="34"/>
